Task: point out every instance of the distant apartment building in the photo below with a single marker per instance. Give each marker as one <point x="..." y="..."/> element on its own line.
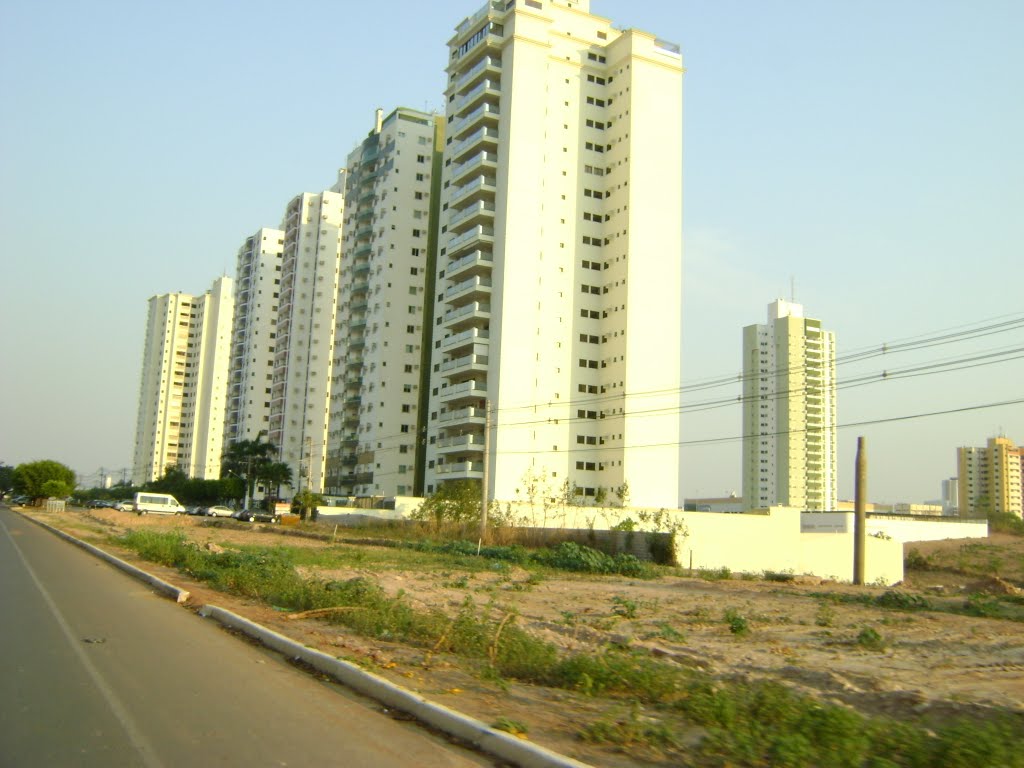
<point x="303" y="347"/>
<point x="950" y="496"/>
<point x="559" y="275"/>
<point x="789" y="412"/>
<point x="989" y="478"/>
<point x="382" y="336"/>
<point x="257" y="293"/>
<point x="183" y="394"/>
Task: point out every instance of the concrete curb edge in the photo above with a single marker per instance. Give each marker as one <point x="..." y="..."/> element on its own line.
<point x="496" y="743"/>
<point x="470" y="730"/>
<point x="178" y="595"/>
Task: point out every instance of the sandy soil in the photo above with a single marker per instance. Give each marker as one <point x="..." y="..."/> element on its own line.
<point x="933" y="662"/>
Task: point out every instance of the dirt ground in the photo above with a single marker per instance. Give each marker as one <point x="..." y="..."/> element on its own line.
<point x="932" y="662"/>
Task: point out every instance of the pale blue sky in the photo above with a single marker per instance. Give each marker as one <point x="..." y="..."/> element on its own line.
<point x="871" y="150"/>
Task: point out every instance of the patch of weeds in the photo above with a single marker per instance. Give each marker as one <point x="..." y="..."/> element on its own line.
<point x="901" y="601"/>
<point x="631" y="730"/>
<point x="570" y="618"/>
<point x="984" y="606"/>
<point x="781" y="576"/>
<point x="715" y="574"/>
<point x="460" y="583"/>
<point x="870" y="640"/>
<point x="666" y="631"/>
<point x="915" y="561"/>
<point x="624" y="607"/>
<point x="508" y="725"/>
<point x="738" y="623"/>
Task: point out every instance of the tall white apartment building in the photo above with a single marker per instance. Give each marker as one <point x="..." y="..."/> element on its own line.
<point x="183" y="394"/>
<point x="789" y="412"/>
<point x="257" y="293"/>
<point x="559" y="293"/>
<point x="382" y="341"/>
<point x="303" y="347"/>
<point x="989" y="478"/>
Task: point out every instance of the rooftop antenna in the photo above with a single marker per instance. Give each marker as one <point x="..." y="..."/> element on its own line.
<point x="792" y="289"/>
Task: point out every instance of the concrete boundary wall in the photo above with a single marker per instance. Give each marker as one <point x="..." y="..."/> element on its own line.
<point x="903" y="528"/>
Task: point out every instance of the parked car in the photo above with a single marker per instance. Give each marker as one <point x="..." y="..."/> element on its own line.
<point x="127" y="505"/>
<point x="196" y="510"/>
<point x="256" y="516"/>
<point x="220" y="511"/>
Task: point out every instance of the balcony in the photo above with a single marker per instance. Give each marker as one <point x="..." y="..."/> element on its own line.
<point x="469" y="365"/>
<point x="485" y="113"/>
<point x="471" y="470"/>
<point x="471" y="238"/>
<point x="468" y="215"/>
<point x="488" y="89"/>
<point x="462" y="417"/>
<point x="461" y="444"/>
<point x="461" y="318"/>
<point x="467" y="392"/>
<point x="477" y="262"/>
<point x="483" y="187"/>
<point x="474" y="289"/>
<point x="488" y="64"/>
<point x="482" y="162"/>
<point x="482" y="137"/>
<point x="465" y="339"/>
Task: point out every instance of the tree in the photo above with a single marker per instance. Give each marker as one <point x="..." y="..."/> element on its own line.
<point x="454" y="502"/>
<point x="307" y="502"/>
<point x="6" y="478"/>
<point x="253" y="462"/>
<point x="31" y="478"/>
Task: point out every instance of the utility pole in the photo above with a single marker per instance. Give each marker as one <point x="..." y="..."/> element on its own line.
<point x="248" y="474"/>
<point x="860" y="493"/>
<point x="485" y="481"/>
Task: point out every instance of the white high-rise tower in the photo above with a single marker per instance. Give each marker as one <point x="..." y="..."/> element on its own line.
<point x="559" y="293"/>
<point x="789" y="412"/>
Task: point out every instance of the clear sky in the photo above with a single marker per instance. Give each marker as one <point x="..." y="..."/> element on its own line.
<point x="869" y="153"/>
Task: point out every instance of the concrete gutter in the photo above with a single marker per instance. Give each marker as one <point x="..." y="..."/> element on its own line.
<point x="178" y="595"/>
<point x="498" y="743"/>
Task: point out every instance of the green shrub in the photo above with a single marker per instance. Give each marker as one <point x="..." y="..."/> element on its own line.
<point x="902" y="601"/>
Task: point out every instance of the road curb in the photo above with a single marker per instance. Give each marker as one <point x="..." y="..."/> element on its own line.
<point x="178" y="595"/>
<point x="496" y="743"/>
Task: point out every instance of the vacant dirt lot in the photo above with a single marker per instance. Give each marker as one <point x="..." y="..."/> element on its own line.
<point x="800" y="633"/>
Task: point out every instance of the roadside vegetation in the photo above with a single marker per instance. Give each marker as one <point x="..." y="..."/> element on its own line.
<point x="652" y="706"/>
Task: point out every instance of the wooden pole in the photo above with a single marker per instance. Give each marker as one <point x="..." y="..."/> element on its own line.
<point x="860" y="512"/>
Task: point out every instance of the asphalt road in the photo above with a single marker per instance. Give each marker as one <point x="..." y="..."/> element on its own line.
<point x="97" y="670"/>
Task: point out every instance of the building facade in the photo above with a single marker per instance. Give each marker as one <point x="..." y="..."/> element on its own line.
<point x="989" y="478"/>
<point x="559" y="276"/>
<point x="382" y="331"/>
<point x="183" y="393"/>
<point x="257" y="293"/>
<point x="303" y="346"/>
<point x="789" y="412"/>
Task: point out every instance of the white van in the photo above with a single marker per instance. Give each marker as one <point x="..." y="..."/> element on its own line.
<point x="156" y="504"/>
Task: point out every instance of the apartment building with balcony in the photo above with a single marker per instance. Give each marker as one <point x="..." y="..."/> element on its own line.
<point x="257" y="292"/>
<point x="559" y="275"/>
<point x="385" y="304"/>
<point x="789" y="412"/>
<point x="303" y="346"/>
<point x="989" y="478"/>
<point x="183" y="391"/>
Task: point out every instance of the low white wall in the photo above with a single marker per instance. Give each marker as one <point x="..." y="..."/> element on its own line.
<point x="902" y="529"/>
<point x="773" y="540"/>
